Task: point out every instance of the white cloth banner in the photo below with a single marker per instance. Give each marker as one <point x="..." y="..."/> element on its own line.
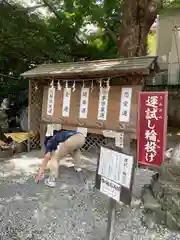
<point x="50" y="101"/>
<point x="103" y="103"/>
<point x="83" y="111"/>
<point x="125" y="104"/>
<point x="66" y="102"/>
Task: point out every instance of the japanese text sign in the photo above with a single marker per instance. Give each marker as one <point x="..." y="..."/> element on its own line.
<point x="66" y="102"/>
<point x="114" y="175"/>
<point x="125" y="105"/>
<point x="83" y="111"/>
<point x="115" y="166"/>
<point x="50" y="101"/>
<point x="103" y="103"/>
<point x="152" y="121"/>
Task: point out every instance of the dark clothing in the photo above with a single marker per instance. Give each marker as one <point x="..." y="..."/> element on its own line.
<point x="51" y="143"/>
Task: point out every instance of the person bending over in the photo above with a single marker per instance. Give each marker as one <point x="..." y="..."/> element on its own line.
<point x="62" y="143"/>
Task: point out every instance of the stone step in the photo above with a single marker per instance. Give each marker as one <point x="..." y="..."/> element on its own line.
<point x="170" y="172"/>
<point x="157" y="189"/>
<point x="150" y="203"/>
<point x="167" y="187"/>
<point x="172" y="222"/>
<point x="174" y="206"/>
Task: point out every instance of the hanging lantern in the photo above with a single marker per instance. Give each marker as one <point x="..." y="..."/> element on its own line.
<point x="59" y="86"/>
<point x="107" y="84"/>
<point x="74" y="86"/>
<point x="66" y="86"/>
<point x="92" y="86"/>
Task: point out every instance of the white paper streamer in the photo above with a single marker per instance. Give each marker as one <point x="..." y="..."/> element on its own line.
<point x="59" y="86"/>
<point x="92" y="86"/>
<point x="83" y="111"/>
<point x="119" y="140"/>
<point x="103" y="104"/>
<point x="50" y="101"/>
<point x="52" y="84"/>
<point x="107" y="84"/>
<point x="74" y="86"/>
<point x="100" y="84"/>
<point x="119" y="169"/>
<point x="125" y="104"/>
<point x="66" y="102"/>
<point x="82" y="130"/>
<point x="49" y="131"/>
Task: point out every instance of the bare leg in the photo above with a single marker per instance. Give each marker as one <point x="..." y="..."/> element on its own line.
<point x="60" y="153"/>
<point x="76" y="155"/>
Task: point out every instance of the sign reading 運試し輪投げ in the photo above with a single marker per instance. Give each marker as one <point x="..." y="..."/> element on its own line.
<point x="152" y="123"/>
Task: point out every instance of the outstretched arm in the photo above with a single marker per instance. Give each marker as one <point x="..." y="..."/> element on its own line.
<point x="50" y="146"/>
<point x="45" y="161"/>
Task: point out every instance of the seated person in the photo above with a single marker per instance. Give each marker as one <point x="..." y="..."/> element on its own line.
<point x="57" y="147"/>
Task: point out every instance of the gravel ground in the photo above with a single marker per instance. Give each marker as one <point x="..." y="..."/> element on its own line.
<point x="73" y="210"/>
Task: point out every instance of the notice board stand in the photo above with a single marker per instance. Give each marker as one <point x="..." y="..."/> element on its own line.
<point x="120" y="166"/>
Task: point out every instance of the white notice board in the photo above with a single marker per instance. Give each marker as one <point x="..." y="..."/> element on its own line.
<point x="116" y="166"/>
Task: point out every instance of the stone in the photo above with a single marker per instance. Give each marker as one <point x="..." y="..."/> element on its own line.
<point x="168" y="153"/>
<point x="175" y="155"/>
<point x="6" y="154"/>
<point x="170" y="172"/>
<point x="167" y="188"/>
<point x="173" y="205"/>
<point x="171" y="222"/>
<point x="160" y="216"/>
<point x="20" y="147"/>
<point x="157" y="189"/>
<point x="149" y="219"/>
<point x="162" y="196"/>
<point x="149" y="201"/>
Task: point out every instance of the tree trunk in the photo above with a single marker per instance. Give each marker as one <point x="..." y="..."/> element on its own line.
<point x="139" y="15"/>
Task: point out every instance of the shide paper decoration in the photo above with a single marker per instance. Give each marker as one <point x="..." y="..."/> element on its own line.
<point x="107" y="84"/>
<point x="74" y="86"/>
<point x="92" y="86"/>
<point x="59" y="86"/>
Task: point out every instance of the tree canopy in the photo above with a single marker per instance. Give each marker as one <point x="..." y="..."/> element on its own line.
<point x="27" y="37"/>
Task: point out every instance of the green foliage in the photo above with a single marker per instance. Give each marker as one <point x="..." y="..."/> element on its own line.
<point x="28" y="38"/>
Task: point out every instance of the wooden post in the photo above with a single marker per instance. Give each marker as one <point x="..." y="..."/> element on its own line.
<point x="112" y="202"/>
<point x="29" y="115"/>
<point x="111" y="220"/>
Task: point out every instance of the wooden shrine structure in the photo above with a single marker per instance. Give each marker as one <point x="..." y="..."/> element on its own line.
<point x="98" y="97"/>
